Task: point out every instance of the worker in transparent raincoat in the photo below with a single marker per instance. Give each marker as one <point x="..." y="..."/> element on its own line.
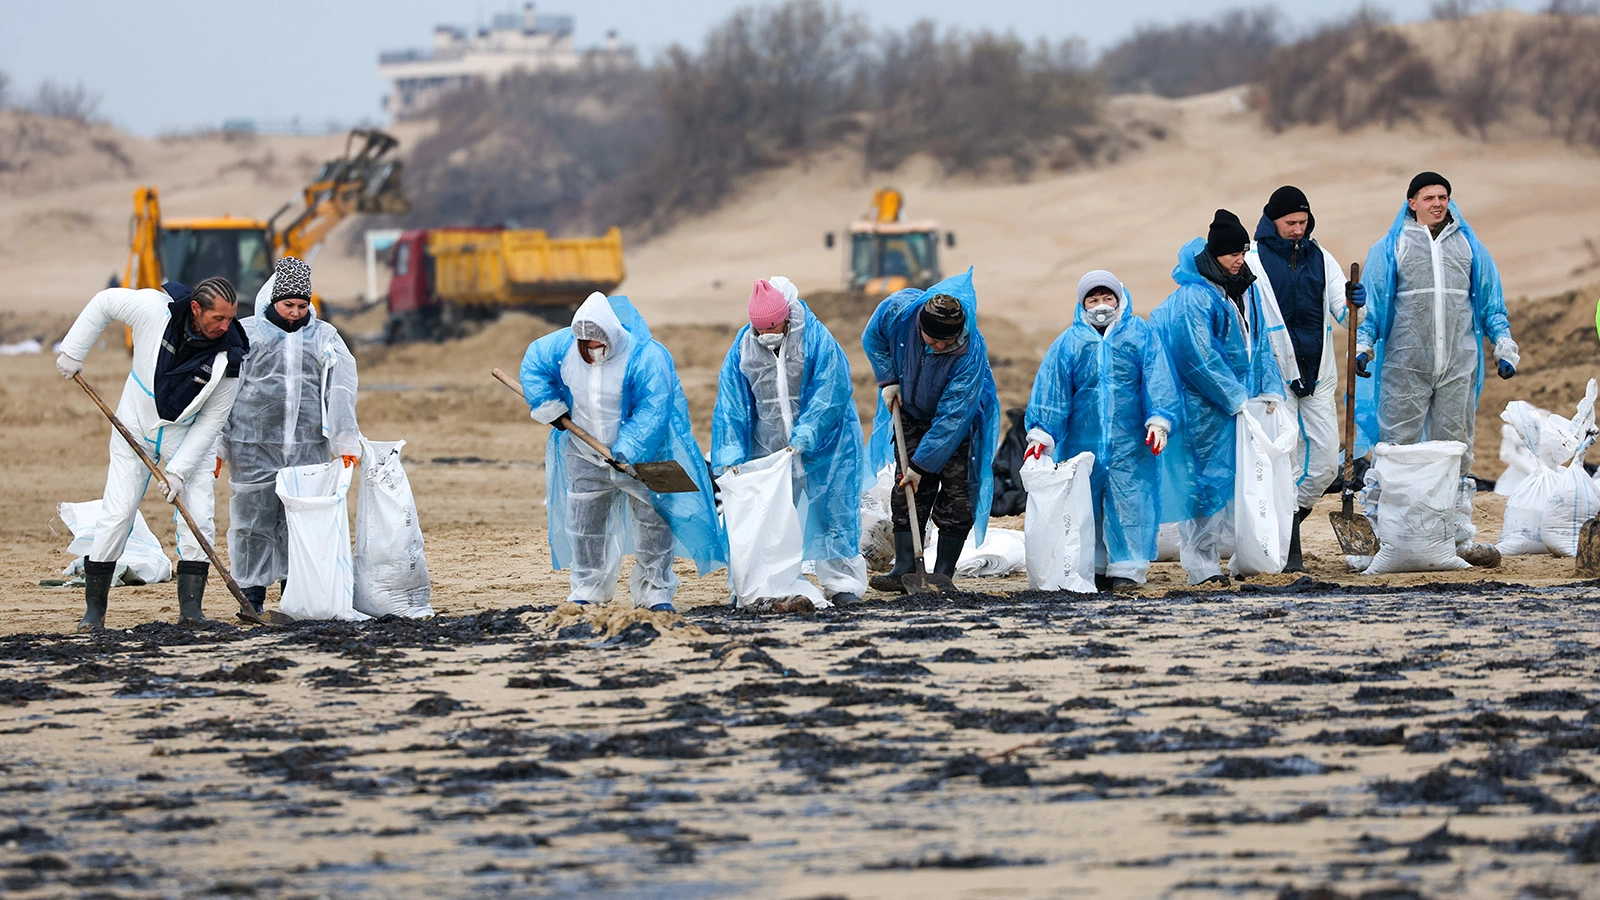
<point x="1435" y="296"/>
<point x="785" y="383"/>
<point x="296" y="407"/>
<point x="929" y="358"/>
<point x="1106" y="386"/>
<point x="1219" y="334"/>
<point x="618" y="383"/>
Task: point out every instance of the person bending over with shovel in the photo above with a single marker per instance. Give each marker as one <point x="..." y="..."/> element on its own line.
<point x="785" y="383"/>
<point x="936" y="389"/>
<point x="296" y="407"/>
<point x="611" y="379"/>
<point x="187" y="350"/>
<point x="1106" y="386"/>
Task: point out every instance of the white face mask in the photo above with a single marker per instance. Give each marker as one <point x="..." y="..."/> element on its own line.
<point x="1100" y="316"/>
<point x="770" y="341"/>
<point x="597" y="356"/>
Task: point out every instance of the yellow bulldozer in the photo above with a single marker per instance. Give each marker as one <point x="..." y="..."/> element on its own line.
<point x="887" y="252"/>
<point x="366" y="179"/>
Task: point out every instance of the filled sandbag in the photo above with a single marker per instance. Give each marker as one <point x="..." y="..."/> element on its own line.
<point x="321" y="580"/>
<point x="1416" y="488"/>
<point x="765" y="540"/>
<point x="1548" y="506"/>
<point x="1263" y="490"/>
<point x="877" y="524"/>
<point x="391" y="572"/>
<point x="142" y="561"/>
<point x="1003" y="552"/>
<point x="1058" y="531"/>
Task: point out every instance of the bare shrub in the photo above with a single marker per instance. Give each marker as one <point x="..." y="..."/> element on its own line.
<point x="5" y="89"/>
<point x="1450" y="10"/>
<point x="1481" y="97"/>
<point x="71" y="102"/>
<point x="1560" y="64"/>
<point x="1193" y="57"/>
<point x="1354" y="72"/>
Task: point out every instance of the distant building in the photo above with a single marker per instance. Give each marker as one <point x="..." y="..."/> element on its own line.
<point x="527" y="41"/>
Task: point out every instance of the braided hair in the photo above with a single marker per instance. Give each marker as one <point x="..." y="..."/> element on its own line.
<point x="215" y="288"/>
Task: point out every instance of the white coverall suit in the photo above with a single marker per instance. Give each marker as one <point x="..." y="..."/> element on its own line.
<point x="184" y="446"/>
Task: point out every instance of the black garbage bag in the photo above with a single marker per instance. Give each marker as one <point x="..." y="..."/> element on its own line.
<point x="1010" y="498"/>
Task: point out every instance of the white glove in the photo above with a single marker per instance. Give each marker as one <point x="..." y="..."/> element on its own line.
<point x="68" y="366"/>
<point x="1271" y="406"/>
<point x="891" y="395"/>
<point x="913" y="478"/>
<point x="1505" y="350"/>
<point x="173" y="489"/>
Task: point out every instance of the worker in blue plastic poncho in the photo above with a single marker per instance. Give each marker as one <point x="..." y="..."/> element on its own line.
<point x="619" y="384"/>
<point x="785" y="383"/>
<point x="1435" y="295"/>
<point x="1219" y="333"/>
<point x="931" y="360"/>
<point x="1106" y="386"/>
<point x="296" y="407"/>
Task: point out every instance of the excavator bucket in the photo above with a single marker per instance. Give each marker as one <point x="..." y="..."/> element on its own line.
<point x="369" y="172"/>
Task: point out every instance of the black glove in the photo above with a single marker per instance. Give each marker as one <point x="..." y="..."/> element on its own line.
<point x="1507" y="369"/>
<point x="1362" y="360"/>
<point x="1301" y="388"/>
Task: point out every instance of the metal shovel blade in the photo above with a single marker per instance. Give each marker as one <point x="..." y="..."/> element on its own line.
<point x="1354" y="531"/>
<point x="665" y="477"/>
<point x="1589" y="549"/>
<point x="917" y="582"/>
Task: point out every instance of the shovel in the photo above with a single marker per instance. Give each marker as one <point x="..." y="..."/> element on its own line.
<point x="246" y="611"/>
<point x="660" y="477"/>
<point x="919" y="580"/>
<point x="1353" y="529"/>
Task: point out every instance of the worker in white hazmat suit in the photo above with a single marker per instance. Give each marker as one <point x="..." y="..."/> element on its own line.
<point x="1303" y="281"/>
<point x="296" y="407"/>
<point x="1435" y="297"/>
<point x="785" y="383"/>
<point x="618" y="383"/>
<point x="187" y="352"/>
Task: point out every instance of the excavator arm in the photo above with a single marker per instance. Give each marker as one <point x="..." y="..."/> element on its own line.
<point x="365" y="180"/>
<point x="144" y="257"/>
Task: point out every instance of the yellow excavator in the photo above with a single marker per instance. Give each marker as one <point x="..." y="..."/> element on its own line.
<point x="887" y="252"/>
<point x="366" y="179"/>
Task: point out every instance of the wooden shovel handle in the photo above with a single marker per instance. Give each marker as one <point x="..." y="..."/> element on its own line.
<point x="566" y="421"/>
<point x="911" y="495"/>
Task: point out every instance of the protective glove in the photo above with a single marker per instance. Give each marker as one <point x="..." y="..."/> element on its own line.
<point x="1155" y="437"/>
<point x="913" y="478"/>
<point x="1271" y="406"/>
<point x="1036" y="450"/>
<point x="173" y="489"/>
<point x="1355" y="294"/>
<point x="1362" y="360"/>
<point x="217" y="472"/>
<point x="1301" y="388"/>
<point x="348" y="461"/>
<point x="1507" y="369"/>
<point x="891" y="395"/>
<point x="68" y="366"/>
<point x="621" y="465"/>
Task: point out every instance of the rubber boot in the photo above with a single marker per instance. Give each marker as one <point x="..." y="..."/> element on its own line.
<point x="191" y="589"/>
<point x="1295" y="563"/>
<point x="257" y="597"/>
<point x="905" y="559"/>
<point x="96" y="593"/>
<point x="949" y="554"/>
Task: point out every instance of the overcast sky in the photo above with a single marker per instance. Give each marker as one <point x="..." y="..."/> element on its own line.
<point x="161" y="65"/>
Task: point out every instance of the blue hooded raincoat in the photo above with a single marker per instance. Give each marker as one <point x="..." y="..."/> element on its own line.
<point x="1220" y="364"/>
<point x="655" y="427"/>
<point x="968" y="405"/>
<point x="1381" y="278"/>
<point x="826" y="431"/>
<point x="1097" y="392"/>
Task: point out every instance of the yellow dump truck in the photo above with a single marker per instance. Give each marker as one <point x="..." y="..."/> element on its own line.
<point x="445" y="275"/>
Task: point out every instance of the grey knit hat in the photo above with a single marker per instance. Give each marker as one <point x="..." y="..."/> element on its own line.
<point x="292" y="278"/>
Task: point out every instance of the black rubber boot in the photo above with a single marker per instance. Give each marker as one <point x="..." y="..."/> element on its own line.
<point x="1102" y="583"/>
<point x="905" y="560"/>
<point x="191" y="589"/>
<point x="96" y="593"/>
<point x="1295" y="563"/>
<point x="949" y="554"/>
<point x="257" y="597"/>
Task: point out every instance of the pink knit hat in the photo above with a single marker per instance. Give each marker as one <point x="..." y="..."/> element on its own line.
<point x="768" y="309"/>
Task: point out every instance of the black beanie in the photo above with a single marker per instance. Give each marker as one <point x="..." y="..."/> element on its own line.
<point x="1286" y="201"/>
<point x="1424" y="179"/>
<point x="942" y="318"/>
<point x="1226" y="235"/>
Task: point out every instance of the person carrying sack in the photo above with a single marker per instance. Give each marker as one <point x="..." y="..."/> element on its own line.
<point x="188" y="348"/>
<point x="1106" y="387"/>
<point x="1226" y="350"/>
<point x="616" y="382"/>
<point x="296" y="407"/>
<point x="932" y="362"/>
<point x="785" y="384"/>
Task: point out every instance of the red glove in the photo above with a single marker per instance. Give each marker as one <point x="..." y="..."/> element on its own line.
<point x="217" y="472"/>
<point x="1034" y="451"/>
<point x="348" y="461"/>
